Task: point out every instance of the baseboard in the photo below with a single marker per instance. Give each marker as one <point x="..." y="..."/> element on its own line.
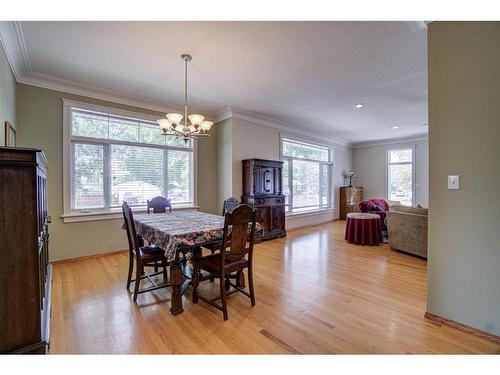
<point x="88" y="257"/>
<point x="310" y="225"/>
<point x="463" y="327"/>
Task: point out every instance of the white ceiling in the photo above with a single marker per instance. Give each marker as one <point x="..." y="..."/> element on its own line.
<point x="308" y="75"/>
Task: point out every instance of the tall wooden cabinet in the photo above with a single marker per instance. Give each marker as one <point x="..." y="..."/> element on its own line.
<point x="25" y="273"/>
<point x="262" y="189"/>
<point x="350" y="197"/>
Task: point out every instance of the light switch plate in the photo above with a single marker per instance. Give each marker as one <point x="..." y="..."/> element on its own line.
<point x="453" y="182"/>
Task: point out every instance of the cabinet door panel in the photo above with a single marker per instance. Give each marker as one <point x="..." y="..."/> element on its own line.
<point x="264" y="217"/>
<point x="278" y="215"/>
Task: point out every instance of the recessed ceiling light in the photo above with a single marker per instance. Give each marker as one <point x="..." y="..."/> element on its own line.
<point x="394" y="127"/>
<point x="359" y="105"/>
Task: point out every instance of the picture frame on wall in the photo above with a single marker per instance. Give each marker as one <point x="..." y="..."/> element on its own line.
<point x="10" y="135"/>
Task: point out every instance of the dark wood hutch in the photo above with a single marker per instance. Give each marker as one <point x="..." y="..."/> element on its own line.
<point x="262" y="189"/>
<point x="25" y="273"/>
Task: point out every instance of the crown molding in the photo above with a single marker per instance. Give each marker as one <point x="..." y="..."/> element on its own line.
<point x="12" y="40"/>
<point x="232" y="112"/>
<point x="71" y="87"/>
<point x="391" y="141"/>
<point x="222" y="114"/>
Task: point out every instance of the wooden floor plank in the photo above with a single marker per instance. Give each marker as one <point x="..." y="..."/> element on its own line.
<point x="315" y="294"/>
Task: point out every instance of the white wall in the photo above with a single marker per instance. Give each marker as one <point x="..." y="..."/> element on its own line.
<point x="370" y="168"/>
<point x="251" y="140"/>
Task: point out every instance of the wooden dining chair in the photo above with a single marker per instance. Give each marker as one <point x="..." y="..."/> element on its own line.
<point x="235" y="255"/>
<point x="229" y="204"/>
<point x="159" y="205"/>
<point x="144" y="256"/>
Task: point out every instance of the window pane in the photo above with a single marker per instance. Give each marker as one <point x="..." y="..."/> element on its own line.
<point x="400" y="183"/>
<point x="324" y="185"/>
<point x="305" y="185"/>
<point x="286" y="188"/>
<point x="398" y="156"/>
<point x="180" y="176"/>
<point x="87" y="183"/>
<point x="86" y="124"/>
<point x="150" y="133"/>
<point x="304" y="151"/>
<point x="123" y="130"/>
<point x="136" y="174"/>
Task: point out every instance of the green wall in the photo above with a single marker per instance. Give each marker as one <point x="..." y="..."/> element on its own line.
<point x="8" y="88"/>
<point x="39" y="113"/>
<point x="464" y="139"/>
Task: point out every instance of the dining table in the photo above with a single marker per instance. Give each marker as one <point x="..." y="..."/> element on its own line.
<point x="181" y="233"/>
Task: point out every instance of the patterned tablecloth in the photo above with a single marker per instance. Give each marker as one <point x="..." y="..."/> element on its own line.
<point x="173" y="229"/>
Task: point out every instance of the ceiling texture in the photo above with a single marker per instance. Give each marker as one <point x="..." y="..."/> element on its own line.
<point x="306" y="76"/>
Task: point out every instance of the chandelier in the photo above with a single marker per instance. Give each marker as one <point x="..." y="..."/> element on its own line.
<point x="197" y="126"/>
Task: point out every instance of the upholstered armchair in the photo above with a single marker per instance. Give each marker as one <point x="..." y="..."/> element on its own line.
<point x="376" y="206"/>
<point x="407" y="228"/>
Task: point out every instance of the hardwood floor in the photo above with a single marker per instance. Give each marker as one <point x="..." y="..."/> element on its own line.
<point x="315" y="294"/>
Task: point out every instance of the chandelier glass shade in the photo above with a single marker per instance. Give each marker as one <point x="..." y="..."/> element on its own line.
<point x="196" y="127"/>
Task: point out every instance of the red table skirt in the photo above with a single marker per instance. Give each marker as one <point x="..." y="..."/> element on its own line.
<point x="363" y="231"/>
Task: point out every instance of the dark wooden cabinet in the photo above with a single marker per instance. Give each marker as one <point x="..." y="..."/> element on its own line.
<point x="350" y="197"/>
<point x="262" y="189"/>
<point x="25" y="273"/>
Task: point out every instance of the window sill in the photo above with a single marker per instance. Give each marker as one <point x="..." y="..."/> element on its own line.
<point x="111" y="214"/>
<point x="310" y="213"/>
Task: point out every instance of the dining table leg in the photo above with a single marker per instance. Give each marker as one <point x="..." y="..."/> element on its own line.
<point x="176" y="279"/>
<point x="240" y="279"/>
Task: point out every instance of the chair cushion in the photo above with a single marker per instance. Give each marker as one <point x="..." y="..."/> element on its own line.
<point x="212" y="263"/>
<point x="151" y="251"/>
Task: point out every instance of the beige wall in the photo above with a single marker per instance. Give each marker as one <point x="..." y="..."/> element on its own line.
<point x="224" y="180"/>
<point x="39" y="112"/>
<point x="8" y="96"/>
<point x="370" y="168"/>
<point x="464" y="139"/>
<point x="251" y="140"/>
<point x="207" y="175"/>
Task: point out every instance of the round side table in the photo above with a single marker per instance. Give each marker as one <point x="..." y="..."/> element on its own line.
<point x="363" y="228"/>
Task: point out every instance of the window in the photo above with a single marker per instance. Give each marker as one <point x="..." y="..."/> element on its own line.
<point x="307" y="175"/>
<point x="115" y="158"/>
<point x="400" y="175"/>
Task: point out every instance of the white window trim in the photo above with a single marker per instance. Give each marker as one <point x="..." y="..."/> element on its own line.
<point x="413" y="169"/>
<point x="331" y="162"/>
<point x="71" y="216"/>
